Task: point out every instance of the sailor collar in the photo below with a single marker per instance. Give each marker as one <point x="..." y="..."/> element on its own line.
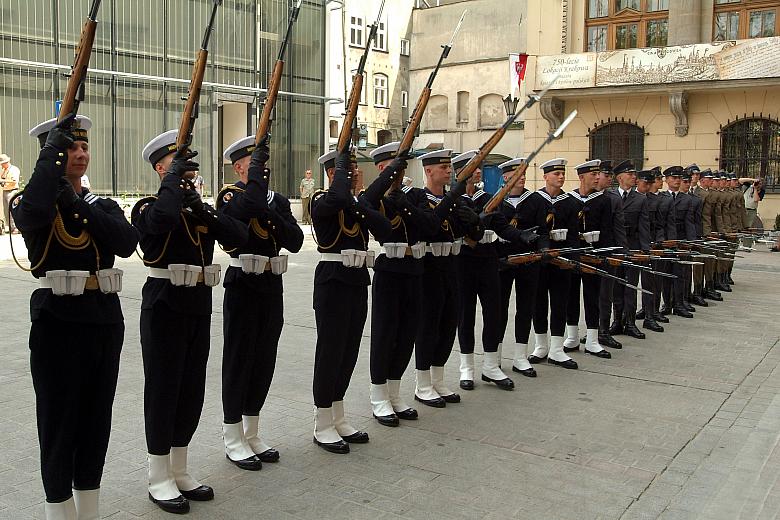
<point x="432" y="197"/>
<point x="517" y="199"/>
<point x="559" y="198"/>
<point x="577" y="195"/>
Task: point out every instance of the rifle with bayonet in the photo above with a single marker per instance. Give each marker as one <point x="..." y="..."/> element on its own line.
<point x="519" y="171"/>
<point x="543" y="256"/>
<point x="350" y="118"/>
<point x="74" y="93"/>
<point x="468" y="170"/>
<point x="695" y="246"/>
<point x="264" y="127"/>
<point x="565" y="263"/>
<point x="613" y="261"/>
<point x="422" y="102"/>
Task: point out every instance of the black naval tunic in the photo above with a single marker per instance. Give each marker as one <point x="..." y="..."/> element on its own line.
<point x="176" y="321"/>
<point x="637" y="226"/>
<point x="75" y="341"/>
<point x="649" y="281"/>
<point x="525" y="278"/>
<point x="396" y="292"/>
<point x="606" y="295"/>
<point x="665" y="230"/>
<point x="439" y="316"/>
<point x="685" y="228"/>
<point x="558" y="212"/>
<point x="341" y="221"/>
<point x="253" y="308"/>
<point x="477" y="267"/>
<point x="595" y="214"/>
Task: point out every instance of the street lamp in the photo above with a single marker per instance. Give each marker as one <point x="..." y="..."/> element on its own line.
<point x="510" y="104"/>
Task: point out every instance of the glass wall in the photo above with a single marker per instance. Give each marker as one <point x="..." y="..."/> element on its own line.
<point x="140" y="70"/>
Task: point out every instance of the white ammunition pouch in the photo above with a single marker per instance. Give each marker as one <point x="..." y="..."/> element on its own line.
<point x="67" y="283"/>
<point x="356" y="258"/>
<point x="109" y="280"/>
<point x="185" y="275"/>
<point x="591" y="237"/>
<point x="489" y="237"/>
<point x="558" y="235"/>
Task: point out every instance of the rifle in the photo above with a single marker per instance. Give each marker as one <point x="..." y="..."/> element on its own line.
<point x="276" y="79"/>
<point x="422" y="103"/>
<point x="74" y="93"/>
<point x="345" y="137"/>
<point x="565" y="263"/>
<point x="184" y="137"/>
<point x="615" y="262"/>
<point x="468" y="170"/>
<point x="694" y="246"/>
<point x="546" y="255"/>
<point x="501" y="194"/>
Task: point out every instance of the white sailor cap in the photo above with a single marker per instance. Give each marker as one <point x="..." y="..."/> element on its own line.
<point x="160" y="146"/>
<point x="329" y="159"/>
<point x="438" y="157"/>
<point x="588" y="166"/>
<point x="79" y="129"/>
<point x="385" y="152"/>
<point x="554" y="165"/>
<point x="461" y="160"/>
<point x="511" y="164"/>
<point x="240" y="149"/>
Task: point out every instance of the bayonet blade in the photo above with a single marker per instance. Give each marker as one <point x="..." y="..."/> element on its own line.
<point x="566" y="123"/>
<point x="546" y="89"/>
<point x="457" y="28"/>
<point x="298" y="5"/>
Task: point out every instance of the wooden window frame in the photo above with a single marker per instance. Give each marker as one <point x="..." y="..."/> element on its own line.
<point x="744" y="8"/>
<point x="624" y="17"/>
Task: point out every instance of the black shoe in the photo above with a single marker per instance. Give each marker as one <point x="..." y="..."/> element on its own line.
<point x="679" y="311"/>
<point x="199" y="494"/>
<point x="534" y="359"/>
<point x="467" y="384"/>
<point x="451" y="398"/>
<point x="721" y="287"/>
<point x="177" y="506"/>
<point x="633" y="331"/>
<point x="660" y="318"/>
<point x="688" y="307"/>
<point x="503" y="384"/>
<point x="729" y="280"/>
<point x="600" y="354"/>
<point x="666" y="310"/>
<point x="434" y="403"/>
<point x="410" y="414"/>
<point x="571" y="349"/>
<point x="528" y="372"/>
<point x="387" y="420"/>
<point x="712" y="294"/>
<point x="339" y="447"/>
<point x="605" y="340"/>
<point x="652" y="325"/>
<point x="616" y="329"/>
<point x="250" y="464"/>
<point x="356" y="438"/>
<point x="641" y="314"/>
<point x="569" y="363"/>
<point x="270" y="455"/>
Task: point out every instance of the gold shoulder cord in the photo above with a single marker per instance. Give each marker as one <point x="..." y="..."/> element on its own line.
<point x="581" y="216"/>
<point x="219" y="202"/>
<point x="396" y="222"/>
<point x="165" y="245"/>
<point x="445" y="225"/>
<point x="351" y="232"/>
<point x="195" y="241"/>
<point x="261" y="232"/>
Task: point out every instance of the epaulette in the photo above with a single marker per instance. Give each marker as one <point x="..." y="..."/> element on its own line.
<point x="141" y="205"/>
<point x="226" y="193"/>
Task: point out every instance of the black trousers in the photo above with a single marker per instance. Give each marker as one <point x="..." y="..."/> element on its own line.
<point x="74" y="372"/>
<point x="525" y="278"/>
<point x="175" y="348"/>
<point x="478" y="278"/>
<point x="591" y="292"/>
<point x="660" y="283"/>
<point x="649" y="282"/>
<point x="252" y="324"/>
<point x="340" y="311"/>
<point x="438" y="320"/>
<point x="553" y="290"/>
<point x="625" y="297"/>
<point x="674" y="290"/>
<point x="395" y="304"/>
<point x="606" y="299"/>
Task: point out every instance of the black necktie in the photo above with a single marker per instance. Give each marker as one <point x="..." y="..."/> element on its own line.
<point x="674" y="195"/>
<point x="625" y="195"/>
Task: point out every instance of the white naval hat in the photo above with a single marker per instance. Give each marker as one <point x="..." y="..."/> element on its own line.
<point x="79" y="129"/>
<point x="328" y="160"/>
<point x="240" y="149"/>
<point x="511" y="164"/>
<point x="438" y="157"/>
<point x="461" y="160"/>
<point x="557" y="164"/>
<point x="385" y="152"/>
<point x="588" y="166"/>
<point x="160" y="146"/>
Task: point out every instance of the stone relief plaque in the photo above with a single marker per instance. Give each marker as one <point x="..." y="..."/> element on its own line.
<point x="575" y="70"/>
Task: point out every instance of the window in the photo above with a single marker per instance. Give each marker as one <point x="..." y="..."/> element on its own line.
<point x="404" y="99"/>
<point x="380" y="42"/>
<point x="751" y="148"/>
<point x="333" y="126"/>
<point x="463" y="107"/>
<point x="356" y="30"/>
<point x="740" y="19"/>
<point x="364" y="90"/>
<point x="626" y="24"/>
<point x="380" y="90"/>
<point x="383" y="137"/>
<point x="404" y="47"/>
<point x="618" y="141"/>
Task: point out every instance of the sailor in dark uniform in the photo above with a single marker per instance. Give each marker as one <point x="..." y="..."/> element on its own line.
<point x="645" y="184"/>
<point x="253" y="313"/>
<point x="637" y="222"/>
<point x="666" y="229"/>
<point x="439" y="317"/>
<point x="397" y="292"/>
<point x="342" y="222"/>
<point x="594" y="229"/>
<point x="695" y="283"/>
<point x="685" y="230"/>
<point x="72" y="238"/>
<point x="178" y="231"/>
<point x="559" y="212"/>
<point x="525" y="278"/>
<point x="477" y="268"/>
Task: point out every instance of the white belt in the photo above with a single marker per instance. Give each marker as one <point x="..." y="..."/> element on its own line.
<point x="258" y="264"/>
<point x="351" y="258"/>
<point x="73" y="283"/>
<point x="184" y="275"/>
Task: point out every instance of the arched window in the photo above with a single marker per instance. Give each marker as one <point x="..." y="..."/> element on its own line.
<point x="437" y="113"/>
<point x="750" y="147"/>
<point x="334" y="128"/>
<point x="492" y="113"/>
<point x="383" y="137"/>
<point x="617" y="141"/>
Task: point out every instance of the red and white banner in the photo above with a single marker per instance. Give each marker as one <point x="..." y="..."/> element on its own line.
<point x="517" y="67"/>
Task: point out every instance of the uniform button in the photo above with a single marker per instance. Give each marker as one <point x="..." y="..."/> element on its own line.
<point x="61" y="154"/>
<point x="273" y="227"/>
<point x="85" y="221"/>
<point x="76" y="216"/>
<point x="58" y="163"/>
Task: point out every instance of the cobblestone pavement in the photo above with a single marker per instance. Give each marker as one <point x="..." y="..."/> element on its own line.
<point x="684" y="424"/>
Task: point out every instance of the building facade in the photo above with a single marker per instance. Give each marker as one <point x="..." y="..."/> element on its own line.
<point x="140" y="70"/>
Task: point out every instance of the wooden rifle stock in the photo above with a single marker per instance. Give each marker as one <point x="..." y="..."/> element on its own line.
<point x="506" y="189"/>
<point x="70" y="103"/>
